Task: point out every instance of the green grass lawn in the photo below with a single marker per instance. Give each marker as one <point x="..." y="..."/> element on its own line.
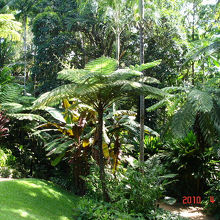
<point x="34" y="199"/>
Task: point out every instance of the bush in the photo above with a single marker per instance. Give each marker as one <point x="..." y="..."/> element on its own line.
<point x="132" y="191"/>
<point x="89" y="209"/>
<point x="6" y="158"/>
<point x="5" y="172"/>
<point x="213" y="208"/>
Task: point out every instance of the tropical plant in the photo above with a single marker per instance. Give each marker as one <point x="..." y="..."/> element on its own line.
<point x="196" y="109"/>
<point x="98" y="85"/>
<point x="3" y="121"/>
<point x="69" y="138"/>
<point x="9" y="28"/>
<point x="132" y="191"/>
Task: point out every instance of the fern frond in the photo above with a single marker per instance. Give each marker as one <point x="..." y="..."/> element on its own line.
<point x="183" y="120"/>
<point x="139" y="88"/>
<point x="202" y="101"/>
<point x="149" y="80"/>
<point x="122" y="74"/>
<point x="73" y="75"/>
<point x="55" y="96"/>
<point x="11" y="107"/>
<point x="145" y="65"/>
<point x="9" y="93"/>
<point x="159" y="104"/>
<point x="103" y="65"/>
<point x="31" y="117"/>
<point x="175" y="89"/>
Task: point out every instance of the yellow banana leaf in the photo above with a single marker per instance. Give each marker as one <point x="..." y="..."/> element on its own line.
<point x="85" y="143"/>
<point x="66" y="103"/>
<point x="105" y="150"/>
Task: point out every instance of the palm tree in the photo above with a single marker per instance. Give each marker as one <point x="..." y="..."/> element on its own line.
<point x="98" y="85"/>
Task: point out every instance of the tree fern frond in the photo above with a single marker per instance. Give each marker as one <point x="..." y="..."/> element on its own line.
<point x="9" y="28"/>
<point x="202" y="101"/>
<point x="175" y="89"/>
<point x="73" y="75"/>
<point x="103" y="65"/>
<point x="159" y="104"/>
<point x="55" y="96"/>
<point x="207" y="127"/>
<point x="212" y="48"/>
<point x="123" y="74"/>
<point x="31" y="117"/>
<point x="145" y="66"/>
<point x="9" y="93"/>
<point x="149" y="80"/>
<point x="140" y="88"/>
<point x="11" y="107"/>
<point x="183" y="120"/>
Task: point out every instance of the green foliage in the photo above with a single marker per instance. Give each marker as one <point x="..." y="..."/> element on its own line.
<point x="9" y="27"/>
<point x="6" y="158"/>
<point x="92" y="209"/>
<point x="133" y="192"/>
<point x="214" y="190"/>
<point x="194" y="168"/>
<point x="105" y="83"/>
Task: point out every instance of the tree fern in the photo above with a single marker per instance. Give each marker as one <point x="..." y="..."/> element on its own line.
<point x="195" y="109"/>
<point x="98" y="85"/>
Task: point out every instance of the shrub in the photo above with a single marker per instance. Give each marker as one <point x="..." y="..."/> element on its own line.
<point x="132" y="191"/>
<point x="213" y="208"/>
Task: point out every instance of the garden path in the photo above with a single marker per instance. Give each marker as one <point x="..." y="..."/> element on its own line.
<point x="191" y="212"/>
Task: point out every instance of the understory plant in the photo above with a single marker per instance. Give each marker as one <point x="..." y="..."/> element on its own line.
<point x="132" y="191"/>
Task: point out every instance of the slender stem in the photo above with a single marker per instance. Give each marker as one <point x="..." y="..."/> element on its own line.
<point x="25" y="50"/>
<point x="141" y="11"/>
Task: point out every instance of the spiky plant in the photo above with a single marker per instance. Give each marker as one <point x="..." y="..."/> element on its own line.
<point x="99" y="84"/>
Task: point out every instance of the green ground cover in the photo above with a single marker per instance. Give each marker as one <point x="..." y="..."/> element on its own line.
<point x="34" y="199"/>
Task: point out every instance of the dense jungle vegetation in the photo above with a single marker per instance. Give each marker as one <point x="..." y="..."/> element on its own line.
<point x="115" y="101"/>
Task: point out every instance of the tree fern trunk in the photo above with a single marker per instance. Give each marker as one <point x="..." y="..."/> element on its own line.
<point x="106" y="197"/>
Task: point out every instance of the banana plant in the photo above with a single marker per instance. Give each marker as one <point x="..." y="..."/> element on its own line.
<point x="119" y="123"/>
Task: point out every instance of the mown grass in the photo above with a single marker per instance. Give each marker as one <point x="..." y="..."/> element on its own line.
<point x="34" y="199"/>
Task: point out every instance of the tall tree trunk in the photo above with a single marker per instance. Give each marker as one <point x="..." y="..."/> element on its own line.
<point x="141" y="11"/>
<point x="117" y="45"/>
<point x="106" y="197"/>
<point x="193" y="39"/>
<point x="25" y="49"/>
